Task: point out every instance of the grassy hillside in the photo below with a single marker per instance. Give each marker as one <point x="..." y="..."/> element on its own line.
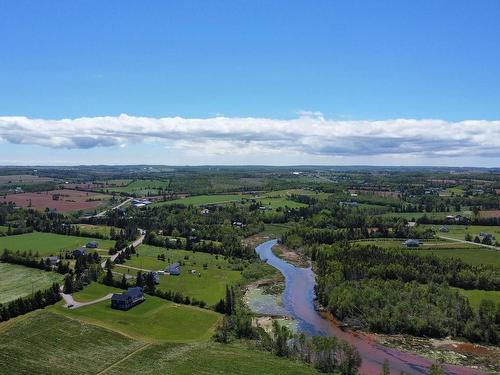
<point x="154" y="320"/>
<point x="48" y="243"/>
<point x="208" y="284"/>
<point x="476" y="296"/>
<point x="19" y="281"/>
<point x="48" y="343"/>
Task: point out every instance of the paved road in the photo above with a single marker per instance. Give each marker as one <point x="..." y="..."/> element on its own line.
<point x="72" y="304"/>
<point x="136" y="243"/>
<point x="469" y="242"/>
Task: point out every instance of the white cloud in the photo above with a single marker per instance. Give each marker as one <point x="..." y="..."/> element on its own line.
<point x="309" y="134"/>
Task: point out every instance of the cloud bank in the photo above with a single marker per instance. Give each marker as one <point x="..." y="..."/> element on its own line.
<point x="309" y="134"/>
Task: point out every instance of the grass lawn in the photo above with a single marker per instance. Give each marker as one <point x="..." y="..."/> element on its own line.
<point x="154" y="320"/>
<point x="199" y="200"/>
<point x="48" y="243"/>
<point x="94" y="291"/>
<point x="433" y="215"/>
<point x="208" y="359"/>
<point x="18" y="281"/>
<point x="3" y="229"/>
<point x="476" y="296"/>
<point x="208" y="285"/>
<point x="275" y="229"/>
<point x="47" y="343"/>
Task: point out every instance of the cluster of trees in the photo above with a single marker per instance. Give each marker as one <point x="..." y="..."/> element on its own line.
<point x="87" y="269"/>
<point x="360" y="262"/>
<point x="28" y="260"/>
<point x="397" y="291"/>
<point x="38" y="300"/>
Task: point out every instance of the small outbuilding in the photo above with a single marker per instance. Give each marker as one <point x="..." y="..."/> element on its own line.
<point x="128" y="299"/>
<point x="444" y="229"/>
<point x="92" y="245"/>
<point x="51" y="261"/>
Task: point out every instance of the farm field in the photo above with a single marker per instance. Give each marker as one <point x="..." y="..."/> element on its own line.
<point x="48" y="243"/>
<point x="459" y="231"/>
<point x="68" y="200"/>
<point x="432" y="215"/>
<point x="102" y="230"/>
<point x="208" y="359"/>
<point x="199" y="200"/>
<point x="76" y="347"/>
<point x="476" y="296"/>
<point x="139" y="187"/>
<point x="23" y="179"/>
<point x="48" y="343"/>
<point x="19" y="281"/>
<point x="154" y="320"/>
<point x="208" y="285"/>
<point x="489" y="213"/>
<point x="469" y="253"/>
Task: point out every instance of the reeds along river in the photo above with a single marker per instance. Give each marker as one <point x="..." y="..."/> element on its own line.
<point x="298" y="301"/>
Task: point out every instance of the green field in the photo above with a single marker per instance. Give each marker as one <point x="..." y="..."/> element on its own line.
<point x="48" y="243"/>
<point x="469" y="253"/>
<point x="208" y="285"/>
<point x="199" y="200"/>
<point x="3" y="229"/>
<point x="459" y="231"/>
<point x="154" y="320"/>
<point x="140" y="187"/>
<point x="477" y="255"/>
<point x="431" y="215"/>
<point x="19" y="281"/>
<point x="476" y="296"/>
<point x="48" y="343"/>
<point x="90" y="229"/>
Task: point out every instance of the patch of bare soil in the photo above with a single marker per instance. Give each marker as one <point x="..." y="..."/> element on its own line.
<point x="291" y="256"/>
<point x="486" y="358"/>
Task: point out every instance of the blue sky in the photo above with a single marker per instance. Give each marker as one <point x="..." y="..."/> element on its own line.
<point x="348" y="60"/>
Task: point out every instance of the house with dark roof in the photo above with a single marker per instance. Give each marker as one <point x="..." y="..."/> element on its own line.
<point x="173" y="269"/>
<point x="79" y="252"/>
<point x="412" y="243"/>
<point x="92" y="245"/>
<point x="444" y="229"/>
<point x="128" y="299"/>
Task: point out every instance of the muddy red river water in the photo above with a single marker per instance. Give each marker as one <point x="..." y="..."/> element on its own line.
<point x="298" y="301"/>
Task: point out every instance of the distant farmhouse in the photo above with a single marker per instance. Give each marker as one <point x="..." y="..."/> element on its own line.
<point x="140" y="202"/>
<point x="92" y="245"/>
<point x="173" y="269"/>
<point x="79" y="252"/>
<point x="51" y="261"/>
<point x="128" y="299"/>
<point x="411" y="243"/>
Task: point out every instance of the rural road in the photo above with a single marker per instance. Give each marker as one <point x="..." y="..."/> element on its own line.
<point x="469" y="242"/>
<point x="72" y="304"/>
<point x="136" y="243"/>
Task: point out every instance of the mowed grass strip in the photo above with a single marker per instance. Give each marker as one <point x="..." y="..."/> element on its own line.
<point x="19" y="281"/>
<point x="48" y="243"/>
<point x="47" y="343"/>
<point x="94" y="291"/>
<point x="207" y="285"/>
<point x="154" y="320"/>
<point x="208" y="359"/>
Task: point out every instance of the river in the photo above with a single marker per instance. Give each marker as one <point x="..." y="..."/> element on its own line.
<point x="298" y="302"/>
